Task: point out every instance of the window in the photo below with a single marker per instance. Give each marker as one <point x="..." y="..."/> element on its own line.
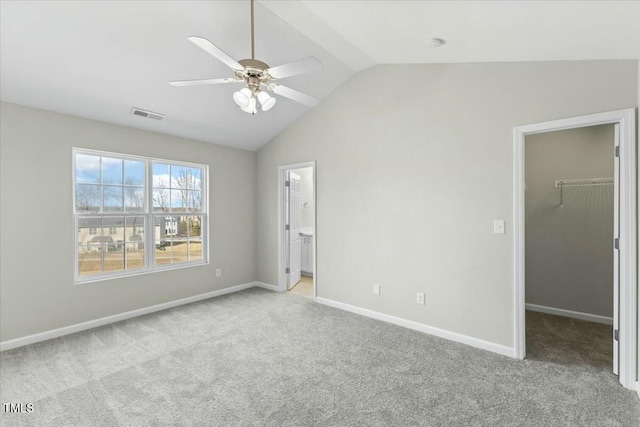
<point x="135" y="214"/>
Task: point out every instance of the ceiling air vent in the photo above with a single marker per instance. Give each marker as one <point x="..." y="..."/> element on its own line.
<point x="148" y="114"/>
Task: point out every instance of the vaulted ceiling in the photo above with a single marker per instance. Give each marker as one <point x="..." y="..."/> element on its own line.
<point x="98" y="59"/>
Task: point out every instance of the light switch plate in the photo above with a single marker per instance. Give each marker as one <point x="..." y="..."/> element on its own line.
<point x="376" y="289"/>
<point x="498" y="226"/>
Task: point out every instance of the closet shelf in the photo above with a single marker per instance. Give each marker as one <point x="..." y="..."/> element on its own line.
<point x="583" y="182"/>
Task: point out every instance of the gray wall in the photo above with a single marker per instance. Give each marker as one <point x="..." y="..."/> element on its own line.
<point x="569" y="248"/>
<point x="306" y="196"/>
<point x="414" y="162"/>
<point x="37" y="290"/>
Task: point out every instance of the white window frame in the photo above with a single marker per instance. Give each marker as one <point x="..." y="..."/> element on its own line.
<point x="148" y="214"/>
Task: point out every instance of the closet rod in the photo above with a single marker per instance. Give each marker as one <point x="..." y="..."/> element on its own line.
<point x="584" y="182"/>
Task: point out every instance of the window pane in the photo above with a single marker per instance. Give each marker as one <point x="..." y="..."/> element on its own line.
<point x="89" y="256"/>
<point x="195" y="181"/>
<point x="134" y="236"/>
<point x="133" y="172"/>
<point x="179" y="250"/>
<point x="111" y="170"/>
<point x="193" y="225"/>
<point x="161" y="200"/>
<point x="112" y="198"/>
<point x="161" y="175"/>
<point x="113" y="244"/>
<point x="87" y="198"/>
<point x="134" y="199"/>
<point x="87" y="169"/>
<point x="195" y="250"/>
<point x="89" y="260"/>
<point x="162" y="239"/>
<point x="186" y="177"/>
<point x="194" y="230"/>
<point x="194" y="199"/>
<point x="179" y="200"/>
<point x="186" y="201"/>
<point x="179" y="176"/>
<point x="135" y="255"/>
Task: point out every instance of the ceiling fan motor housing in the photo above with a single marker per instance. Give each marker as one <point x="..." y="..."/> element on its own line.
<point x="253" y="73"/>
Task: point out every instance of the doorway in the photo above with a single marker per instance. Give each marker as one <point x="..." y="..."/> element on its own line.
<point x="569" y="255"/>
<point x="622" y="247"/>
<point x="297" y="229"/>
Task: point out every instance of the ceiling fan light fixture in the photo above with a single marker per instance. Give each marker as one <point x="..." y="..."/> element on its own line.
<point x="266" y="101"/>
<point x="251" y="107"/>
<point x="242" y="98"/>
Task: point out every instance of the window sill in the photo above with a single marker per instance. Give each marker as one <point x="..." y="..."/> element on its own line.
<point x="120" y="275"/>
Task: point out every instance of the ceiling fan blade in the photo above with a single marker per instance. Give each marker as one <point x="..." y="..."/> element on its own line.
<point x="300" y="97"/>
<point x="214" y="50"/>
<point x="203" y="82"/>
<point x="301" y="66"/>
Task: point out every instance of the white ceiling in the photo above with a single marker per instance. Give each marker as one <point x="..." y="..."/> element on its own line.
<point x="97" y="59"/>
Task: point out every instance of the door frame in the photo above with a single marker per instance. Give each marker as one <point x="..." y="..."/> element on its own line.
<point x="282" y="235"/>
<point x="628" y="307"/>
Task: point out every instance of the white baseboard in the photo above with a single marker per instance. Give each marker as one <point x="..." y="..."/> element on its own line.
<point x="568" y="313"/>
<point x="638" y="388"/>
<point x="452" y="336"/>
<point x="267" y="286"/>
<point x="55" y="333"/>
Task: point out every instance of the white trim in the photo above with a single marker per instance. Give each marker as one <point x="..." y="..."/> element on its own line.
<point x="282" y="176"/>
<point x="421" y="327"/>
<point x="638" y="388"/>
<point x="569" y="313"/>
<point x="78" y="327"/>
<point x="267" y="286"/>
<point x="625" y="119"/>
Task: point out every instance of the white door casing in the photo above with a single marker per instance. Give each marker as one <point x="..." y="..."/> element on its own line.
<point x="283" y="237"/>
<point x="626" y="215"/>
<point x="616" y="258"/>
<point x="295" y="247"/>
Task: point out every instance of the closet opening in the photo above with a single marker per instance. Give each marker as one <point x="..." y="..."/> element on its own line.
<point x="575" y="240"/>
<point x="570" y="258"/>
<point x="297" y="231"/>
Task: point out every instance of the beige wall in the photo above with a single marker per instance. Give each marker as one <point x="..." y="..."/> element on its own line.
<point x="569" y="248"/>
<point x="306" y="196"/>
<point x="414" y="162"/>
<point x="37" y="292"/>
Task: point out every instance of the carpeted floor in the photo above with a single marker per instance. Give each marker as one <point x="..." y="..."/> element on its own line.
<point x="569" y="341"/>
<point x="263" y="358"/>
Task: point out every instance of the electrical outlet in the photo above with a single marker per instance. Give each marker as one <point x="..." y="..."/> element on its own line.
<point x="376" y="289"/>
<point x="420" y="298"/>
<point x="218" y="272"/>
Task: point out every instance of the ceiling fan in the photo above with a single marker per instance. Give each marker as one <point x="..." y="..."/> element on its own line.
<point x="257" y="75"/>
